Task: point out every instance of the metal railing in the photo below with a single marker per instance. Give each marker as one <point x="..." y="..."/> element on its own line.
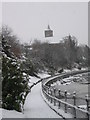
<point x="65" y="101"/>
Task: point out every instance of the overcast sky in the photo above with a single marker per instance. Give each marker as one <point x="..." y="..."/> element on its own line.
<point x="29" y="20"/>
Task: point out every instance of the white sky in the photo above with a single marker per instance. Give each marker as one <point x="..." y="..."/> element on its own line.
<point x="29" y="20"/>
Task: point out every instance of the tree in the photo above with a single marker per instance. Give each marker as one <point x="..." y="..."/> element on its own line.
<point x="70" y="48"/>
<point x="14" y="83"/>
<point x="12" y="41"/>
<point x="83" y="55"/>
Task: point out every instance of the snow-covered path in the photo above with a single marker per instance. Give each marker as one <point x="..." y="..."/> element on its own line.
<point x="35" y="107"/>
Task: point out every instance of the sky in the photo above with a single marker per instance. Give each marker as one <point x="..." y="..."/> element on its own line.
<point x="28" y="20"/>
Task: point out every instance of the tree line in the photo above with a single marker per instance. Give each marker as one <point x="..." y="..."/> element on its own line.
<point x="64" y="55"/>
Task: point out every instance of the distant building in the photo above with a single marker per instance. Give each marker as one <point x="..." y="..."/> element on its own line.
<point x="48" y="32"/>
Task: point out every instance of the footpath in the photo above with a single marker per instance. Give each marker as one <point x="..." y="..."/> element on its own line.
<point x="35" y="106"/>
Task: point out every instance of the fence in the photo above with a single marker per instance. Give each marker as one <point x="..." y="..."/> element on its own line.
<point x="54" y="78"/>
<point x="68" y="102"/>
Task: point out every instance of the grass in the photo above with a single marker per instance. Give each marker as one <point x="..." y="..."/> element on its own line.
<point x="80" y="89"/>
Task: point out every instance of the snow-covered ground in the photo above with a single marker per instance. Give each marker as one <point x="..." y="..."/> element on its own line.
<point x="34" y="79"/>
<point x="34" y="107"/>
<point x="10" y="114"/>
<point x="0" y="113"/>
<point x="43" y="75"/>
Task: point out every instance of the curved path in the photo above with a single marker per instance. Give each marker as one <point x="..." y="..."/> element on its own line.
<point x="35" y="107"/>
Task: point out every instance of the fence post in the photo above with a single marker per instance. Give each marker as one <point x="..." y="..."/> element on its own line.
<point x="42" y="87"/>
<point x="59" y="98"/>
<point x="87" y="102"/>
<point x="48" y="94"/>
<point x="51" y="95"/>
<point x="74" y="98"/>
<point x="46" y="89"/>
<point x="65" y="101"/>
<point x="54" y="96"/>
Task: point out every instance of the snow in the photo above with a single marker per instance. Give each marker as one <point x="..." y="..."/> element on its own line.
<point x="85" y="68"/>
<point x="74" y="69"/>
<point x="83" y="107"/>
<point x="35" y="107"/>
<point x="0" y="113"/>
<point x="10" y="114"/>
<point x="67" y="70"/>
<point x="35" y="79"/>
<point x="24" y="74"/>
<point x="43" y="75"/>
<point x="67" y="83"/>
<point x="80" y="78"/>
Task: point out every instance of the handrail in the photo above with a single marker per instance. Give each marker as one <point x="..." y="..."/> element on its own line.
<point x="65" y="75"/>
<point x="85" y="111"/>
<point x="46" y="88"/>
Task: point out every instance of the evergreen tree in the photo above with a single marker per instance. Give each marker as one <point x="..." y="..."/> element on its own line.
<point x="14" y="83"/>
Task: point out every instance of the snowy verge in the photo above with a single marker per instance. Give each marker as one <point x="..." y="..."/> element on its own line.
<point x="60" y="112"/>
<point x="43" y="75"/>
<point x="0" y="113"/>
<point x="34" y="80"/>
<point x="10" y="114"/>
